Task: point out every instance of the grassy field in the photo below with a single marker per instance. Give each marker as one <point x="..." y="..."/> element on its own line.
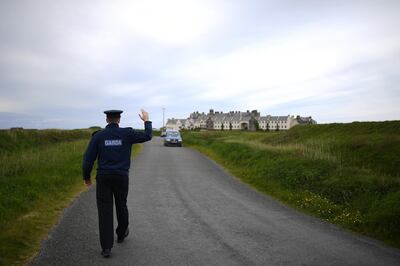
<point x="40" y="174"/>
<point x="347" y="174"/>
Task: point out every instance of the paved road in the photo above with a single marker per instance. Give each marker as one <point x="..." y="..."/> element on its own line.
<point x="186" y="210"/>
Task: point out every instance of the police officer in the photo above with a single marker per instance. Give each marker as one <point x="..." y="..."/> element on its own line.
<point x="112" y="149"/>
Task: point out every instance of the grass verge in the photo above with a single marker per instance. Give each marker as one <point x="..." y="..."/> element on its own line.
<point x="347" y="174"/>
<point x="40" y="175"/>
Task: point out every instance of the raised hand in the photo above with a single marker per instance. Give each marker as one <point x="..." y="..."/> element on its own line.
<point x="144" y="116"/>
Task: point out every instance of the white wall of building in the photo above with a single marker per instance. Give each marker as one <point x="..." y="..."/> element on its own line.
<point x="273" y="122"/>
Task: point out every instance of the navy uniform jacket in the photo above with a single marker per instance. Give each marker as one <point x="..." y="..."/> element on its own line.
<point x="112" y="147"/>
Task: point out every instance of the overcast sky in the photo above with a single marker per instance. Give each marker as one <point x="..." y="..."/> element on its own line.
<point x="62" y="63"/>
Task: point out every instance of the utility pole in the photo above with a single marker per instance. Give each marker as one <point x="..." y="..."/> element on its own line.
<point x="163" y="115"/>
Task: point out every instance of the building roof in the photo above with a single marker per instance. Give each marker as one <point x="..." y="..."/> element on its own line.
<point x="274" y="118"/>
<point x="173" y="121"/>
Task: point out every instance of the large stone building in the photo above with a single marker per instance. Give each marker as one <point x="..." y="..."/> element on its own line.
<point x="236" y="120"/>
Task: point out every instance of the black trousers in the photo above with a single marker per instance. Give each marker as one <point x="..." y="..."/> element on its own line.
<point x="107" y="187"/>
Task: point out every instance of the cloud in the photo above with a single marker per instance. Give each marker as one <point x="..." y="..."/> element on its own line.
<point x="171" y="22"/>
<point x="305" y="62"/>
<point x="70" y="61"/>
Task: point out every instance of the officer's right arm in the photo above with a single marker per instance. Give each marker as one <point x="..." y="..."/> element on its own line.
<point x="89" y="158"/>
<point x="139" y="136"/>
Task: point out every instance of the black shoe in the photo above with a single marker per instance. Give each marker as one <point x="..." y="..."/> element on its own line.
<point x="106" y="252"/>
<point x="120" y="239"/>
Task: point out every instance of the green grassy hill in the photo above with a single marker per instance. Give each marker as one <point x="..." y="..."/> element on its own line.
<point x="16" y="140"/>
<point x="347" y="174"/>
<point x="40" y="173"/>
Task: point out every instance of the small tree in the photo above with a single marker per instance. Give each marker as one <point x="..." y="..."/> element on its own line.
<point x="277" y="127"/>
<point x="230" y="126"/>
<point x="222" y="126"/>
<point x="267" y="127"/>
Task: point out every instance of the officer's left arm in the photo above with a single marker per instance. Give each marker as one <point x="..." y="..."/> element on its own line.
<point x="89" y="158"/>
